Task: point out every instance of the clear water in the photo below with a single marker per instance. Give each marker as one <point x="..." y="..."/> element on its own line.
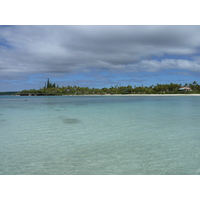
<point x="100" y="135"/>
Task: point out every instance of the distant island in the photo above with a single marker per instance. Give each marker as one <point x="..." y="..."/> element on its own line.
<point x="51" y="89"/>
<point x="9" y="93"/>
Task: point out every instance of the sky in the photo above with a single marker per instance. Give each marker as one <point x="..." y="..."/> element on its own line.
<point x="98" y="56"/>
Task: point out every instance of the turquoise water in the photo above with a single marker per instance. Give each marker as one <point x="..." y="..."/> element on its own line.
<point x="100" y="135"/>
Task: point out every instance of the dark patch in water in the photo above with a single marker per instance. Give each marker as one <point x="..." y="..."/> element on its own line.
<point x="70" y="121"/>
<point x="57" y="110"/>
<point x="81" y="104"/>
<point x="3" y="120"/>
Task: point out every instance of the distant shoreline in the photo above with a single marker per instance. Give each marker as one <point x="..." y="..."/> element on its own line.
<point x="106" y="95"/>
<point x="135" y="95"/>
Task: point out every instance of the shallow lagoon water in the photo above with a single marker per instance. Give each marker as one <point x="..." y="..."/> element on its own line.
<point x="100" y="135"/>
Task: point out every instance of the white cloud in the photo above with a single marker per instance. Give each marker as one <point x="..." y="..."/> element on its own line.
<point x="154" y="65"/>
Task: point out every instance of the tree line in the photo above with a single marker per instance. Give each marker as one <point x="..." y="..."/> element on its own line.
<point x="171" y="88"/>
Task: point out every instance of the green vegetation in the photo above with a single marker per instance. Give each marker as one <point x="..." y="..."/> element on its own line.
<point x="53" y="89"/>
<point x="50" y="85"/>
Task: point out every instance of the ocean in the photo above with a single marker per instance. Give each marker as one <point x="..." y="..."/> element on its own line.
<point x="100" y="135"/>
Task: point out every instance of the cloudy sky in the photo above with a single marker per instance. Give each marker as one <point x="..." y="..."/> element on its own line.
<point x="98" y="56"/>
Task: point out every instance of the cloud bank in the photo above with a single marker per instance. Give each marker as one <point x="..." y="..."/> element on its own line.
<point x="29" y="50"/>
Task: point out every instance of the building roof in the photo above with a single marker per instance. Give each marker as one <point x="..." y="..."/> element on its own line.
<point x="184" y="88"/>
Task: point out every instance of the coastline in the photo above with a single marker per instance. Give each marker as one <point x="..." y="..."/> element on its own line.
<point x="136" y="95"/>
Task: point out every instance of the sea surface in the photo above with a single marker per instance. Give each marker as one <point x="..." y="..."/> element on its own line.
<point x="100" y="135"/>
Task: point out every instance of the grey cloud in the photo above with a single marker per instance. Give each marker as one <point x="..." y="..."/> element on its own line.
<point x="66" y="49"/>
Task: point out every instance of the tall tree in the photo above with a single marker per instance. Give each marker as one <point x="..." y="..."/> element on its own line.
<point x="48" y="83"/>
